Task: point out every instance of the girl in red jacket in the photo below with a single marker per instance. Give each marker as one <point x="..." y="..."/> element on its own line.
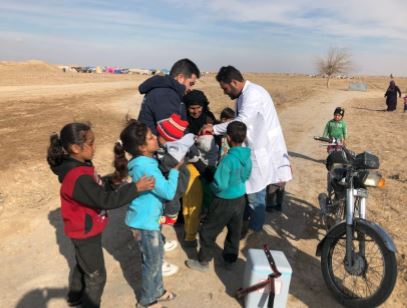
<point x="84" y="201"/>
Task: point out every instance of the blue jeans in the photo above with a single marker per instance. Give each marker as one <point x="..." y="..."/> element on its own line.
<point x="151" y="247"/>
<point x="257" y="209"/>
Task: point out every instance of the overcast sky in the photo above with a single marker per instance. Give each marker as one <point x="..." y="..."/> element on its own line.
<point x="253" y="35"/>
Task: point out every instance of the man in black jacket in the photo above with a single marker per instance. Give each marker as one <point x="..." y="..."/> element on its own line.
<point x="163" y="94"/>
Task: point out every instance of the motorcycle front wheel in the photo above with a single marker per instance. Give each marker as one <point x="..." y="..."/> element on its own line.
<point x="369" y="281"/>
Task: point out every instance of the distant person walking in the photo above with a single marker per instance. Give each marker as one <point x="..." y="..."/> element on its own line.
<point x="271" y="165"/>
<point x="163" y="94"/>
<point x="391" y="96"/>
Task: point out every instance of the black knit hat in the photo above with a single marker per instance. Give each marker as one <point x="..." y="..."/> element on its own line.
<point x="339" y="110"/>
<point x="195" y="97"/>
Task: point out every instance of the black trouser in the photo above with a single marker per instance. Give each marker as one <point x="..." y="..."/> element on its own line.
<point x="88" y="277"/>
<point x="275" y="195"/>
<point x="222" y="213"/>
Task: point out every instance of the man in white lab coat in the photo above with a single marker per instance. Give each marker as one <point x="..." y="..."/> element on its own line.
<point x="271" y="165"/>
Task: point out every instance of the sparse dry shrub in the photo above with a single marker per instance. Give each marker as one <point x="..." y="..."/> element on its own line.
<point x="337" y="61"/>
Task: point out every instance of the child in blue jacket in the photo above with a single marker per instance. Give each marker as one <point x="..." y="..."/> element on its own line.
<point x="228" y="205"/>
<point x="144" y="212"/>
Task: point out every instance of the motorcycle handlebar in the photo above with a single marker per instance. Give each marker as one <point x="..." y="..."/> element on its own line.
<point x="323" y="139"/>
<point x="335" y="142"/>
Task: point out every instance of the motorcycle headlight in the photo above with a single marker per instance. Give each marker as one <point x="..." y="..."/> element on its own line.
<point x="374" y="179"/>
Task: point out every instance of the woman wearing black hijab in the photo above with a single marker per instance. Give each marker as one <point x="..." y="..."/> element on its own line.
<point x="198" y="113"/>
<point x="391" y="96"/>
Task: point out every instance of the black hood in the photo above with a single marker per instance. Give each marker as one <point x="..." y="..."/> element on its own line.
<point x="68" y="164"/>
<point x="162" y="82"/>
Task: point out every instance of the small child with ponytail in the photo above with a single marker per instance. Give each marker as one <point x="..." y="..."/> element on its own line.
<point x="84" y="201"/>
<point x="144" y="212"/>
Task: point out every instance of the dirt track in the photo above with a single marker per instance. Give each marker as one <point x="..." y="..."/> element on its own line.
<point x="35" y="255"/>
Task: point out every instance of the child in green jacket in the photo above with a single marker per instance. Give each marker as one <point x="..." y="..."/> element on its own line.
<point x="227" y="207"/>
<point x="337" y="128"/>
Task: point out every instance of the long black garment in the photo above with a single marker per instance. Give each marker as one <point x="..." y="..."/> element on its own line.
<point x="391" y="96"/>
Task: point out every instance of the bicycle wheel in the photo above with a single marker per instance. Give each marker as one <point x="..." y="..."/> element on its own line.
<point x="371" y="278"/>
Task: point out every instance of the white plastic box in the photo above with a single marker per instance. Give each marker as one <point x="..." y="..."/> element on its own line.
<point x="257" y="270"/>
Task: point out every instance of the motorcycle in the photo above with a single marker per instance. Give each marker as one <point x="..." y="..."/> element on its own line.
<point x="358" y="257"/>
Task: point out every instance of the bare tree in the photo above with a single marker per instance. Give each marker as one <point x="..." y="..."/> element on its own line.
<point x="337" y="61"/>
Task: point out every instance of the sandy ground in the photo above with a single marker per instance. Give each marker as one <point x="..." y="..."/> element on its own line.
<point x="35" y="256"/>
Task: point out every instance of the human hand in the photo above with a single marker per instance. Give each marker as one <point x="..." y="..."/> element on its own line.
<point x="225" y="150"/>
<point x="180" y="163"/>
<point x="145" y="183"/>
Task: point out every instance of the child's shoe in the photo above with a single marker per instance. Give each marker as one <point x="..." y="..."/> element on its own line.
<point x="166" y="220"/>
<point x="168" y="269"/>
<point x="196" y="265"/>
<point x="170" y="245"/>
<point x="167" y="296"/>
<point x="74" y="303"/>
<point x="152" y="305"/>
<point x="74" y="299"/>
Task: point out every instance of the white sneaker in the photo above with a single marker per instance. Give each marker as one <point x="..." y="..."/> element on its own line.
<point x="168" y="269"/>
<point x="170" y="245"/>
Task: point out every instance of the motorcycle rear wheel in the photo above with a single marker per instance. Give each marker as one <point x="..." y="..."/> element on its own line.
<point x="372" y="279"/>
